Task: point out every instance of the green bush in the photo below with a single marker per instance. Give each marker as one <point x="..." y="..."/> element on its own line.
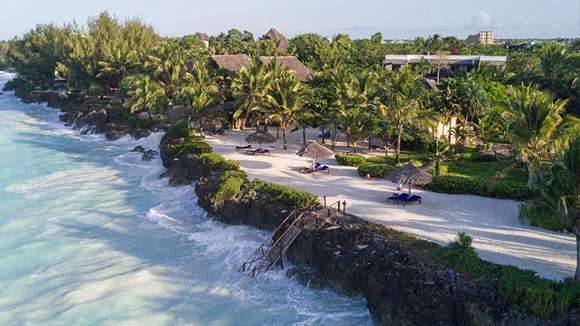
<point x="482" y="157"/>
<point x="541" y="216"/>
<point x="523" y="289"/>
<point x="178" y="129"/>
<point x="192" y="145"/>
<point x="462" y="256"/>
<point x="458" y="185"/>
<point x="138" y="122"/>
<point x="512" y="190"/>
<point x="229" y="188"/>
<point x="477" y="186"/>
<point x="18" y="84"/>
<point x="350" y="159"/>
<point x="374" y="170"/>
<point x="216" y="162"/>
<point x="285" y="195"/>
<point x="537" y="296"/>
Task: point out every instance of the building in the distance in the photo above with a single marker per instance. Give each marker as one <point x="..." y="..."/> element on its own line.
<point x="484" y="37"/>
<point x="449" y="62"/>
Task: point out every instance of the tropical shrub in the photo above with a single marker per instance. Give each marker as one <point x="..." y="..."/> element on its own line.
<point x="178" y="129"/>
<point x="216" y="162"/>
<point x="537" y="213"/>
<point x="350" y="159"/>
<point x="192" y="145"/>
<point x="512" y="190"/>
<point x="523" y="289"/>
<point x="478" y="186"/>
<point x="285" y="195"/>
<point x="230" y="187"/>
<point x="458" y="185"/>
<point x="461" y="254"/>
<point x="374" y="170"/>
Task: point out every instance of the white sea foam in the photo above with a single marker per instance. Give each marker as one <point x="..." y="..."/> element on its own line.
<point x="101" y="239"/>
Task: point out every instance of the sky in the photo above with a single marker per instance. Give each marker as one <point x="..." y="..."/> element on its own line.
<point x="395" y="19"/>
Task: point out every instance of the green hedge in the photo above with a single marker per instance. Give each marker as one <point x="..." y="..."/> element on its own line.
<point x="480" y="187"/>
<point x="457" y="185"/>
<point x="374" y="170"/>
<point x="192" y="145"/>
<point x="350" y="159"/>
<point x="230" y="187"/>
<point x="285" y="195"/>
<point x="522" y="288"/>
<point x="216" y="162"/>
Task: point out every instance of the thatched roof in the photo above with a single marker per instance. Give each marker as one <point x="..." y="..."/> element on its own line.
<point x="315" y="151"/>
<point x="230" y="62"/>
<point x="292" y="64"/>
<point x="202" y="36"/>
<point x="234" y="62"/>
<point x="278" y="38"/>
<point x="410" y="174"/>
<point x="260" y="137"/>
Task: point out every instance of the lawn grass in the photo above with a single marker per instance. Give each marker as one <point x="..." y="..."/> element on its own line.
<point x="483" y="170"/>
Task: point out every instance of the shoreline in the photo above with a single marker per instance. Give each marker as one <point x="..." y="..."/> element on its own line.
<point x="343" y="304"/>
<point x="380" y="306"/>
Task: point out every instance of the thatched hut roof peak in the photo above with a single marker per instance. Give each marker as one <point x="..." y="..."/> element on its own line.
<point x="315" y="151"/>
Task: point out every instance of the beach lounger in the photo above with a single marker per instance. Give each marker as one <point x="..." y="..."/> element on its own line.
<point x="238" y="148"/>
<point x="217" y="131"/>
<point x="413" y="199"/>
<point x="258" y="151"/>
<point x="321" y="169"/>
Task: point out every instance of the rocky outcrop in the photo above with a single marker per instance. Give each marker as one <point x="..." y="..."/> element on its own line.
<point x="401" y="287"/>
<point x="401" y="283"/>
<point x="99" y="119"/>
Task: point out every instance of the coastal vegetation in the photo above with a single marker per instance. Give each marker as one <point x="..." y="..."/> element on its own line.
<point x="510" y="134"/>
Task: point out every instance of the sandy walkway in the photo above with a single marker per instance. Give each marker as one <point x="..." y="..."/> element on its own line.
<point x="498" y="236"/>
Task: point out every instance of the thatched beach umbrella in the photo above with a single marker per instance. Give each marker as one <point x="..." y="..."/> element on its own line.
<point x="411" y="175"/>
<point x="315" y="151"/>
<point x="260" y="137"/>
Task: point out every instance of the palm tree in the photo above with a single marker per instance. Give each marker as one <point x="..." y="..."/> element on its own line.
<point x="402" y="103"/>
<point x="249" y="88"/>
<point x="534" y="118"/>
<point x="116" y="65"/>
<point x="200" y="94"/>
<point x="559" y="196"/>
<point x="167" y="64"/>
<point x="147" y="94"/>
<point x="439" y="149"/>
<point x="285" y="100"/>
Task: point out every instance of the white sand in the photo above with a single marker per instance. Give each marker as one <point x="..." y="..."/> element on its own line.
<point x="498" y="235"/>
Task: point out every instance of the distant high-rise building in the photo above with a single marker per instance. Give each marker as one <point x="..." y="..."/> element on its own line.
<point x="484" y="37"/>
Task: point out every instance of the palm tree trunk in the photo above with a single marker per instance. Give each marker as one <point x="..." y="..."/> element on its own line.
<point x="370" y="145"/>
<point x="334" y="137"/>
<point x="323" y="130"/>
<point x="284" y="137"/>
<point x="304" y="135"/>
<point x="577" y="232"/>
<point x="399" y="137"/>
<point x="277" y="132"/>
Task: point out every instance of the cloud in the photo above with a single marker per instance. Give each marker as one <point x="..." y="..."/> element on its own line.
<point x="481" y="21"/>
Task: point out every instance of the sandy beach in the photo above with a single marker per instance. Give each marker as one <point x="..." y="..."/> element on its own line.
<point x="498" y="235"/>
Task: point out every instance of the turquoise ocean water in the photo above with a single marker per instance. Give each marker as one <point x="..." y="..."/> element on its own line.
<point x="89" y="235"/>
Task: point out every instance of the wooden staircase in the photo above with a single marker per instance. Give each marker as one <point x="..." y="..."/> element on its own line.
<point x="268" y="254"/>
